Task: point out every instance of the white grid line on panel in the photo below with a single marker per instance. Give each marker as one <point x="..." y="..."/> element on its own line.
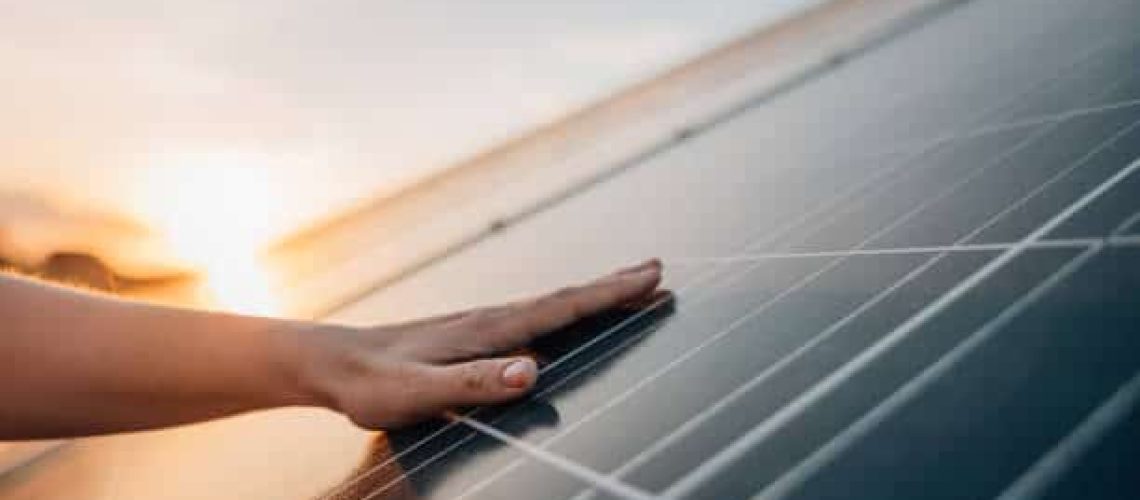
<point x="997" y="128"/>
<point x="835" y="447"/>
<point x="1045" y="473"/>
<point x="786" y="414"/>
<point x="1122" y="228"/>
<point x="1077" y="243"/>
<point x="596" y="479"/>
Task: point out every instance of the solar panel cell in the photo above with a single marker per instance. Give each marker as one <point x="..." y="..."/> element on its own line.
<point x="1127" y="90"/>
<point x="1104" y="77"/>
<point x="983" y="59"/>
<point x="1096" y="221"/>
<point x="805" y="430"/>
<point x="986" y="192"/>
<point x="919" y="181"/>
<point x="1110" y="471"/>
<point x="972" y="431"/>
<point x="1131" y="227"/>
<point x="1115" y="211"/>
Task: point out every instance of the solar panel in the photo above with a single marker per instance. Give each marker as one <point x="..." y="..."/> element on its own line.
<point x="913" y="276"/>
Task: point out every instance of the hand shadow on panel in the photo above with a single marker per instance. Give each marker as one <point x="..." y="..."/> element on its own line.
<point x="382" y="474"/>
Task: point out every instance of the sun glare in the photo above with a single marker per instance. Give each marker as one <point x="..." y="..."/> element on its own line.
<point x="215" y="211"/>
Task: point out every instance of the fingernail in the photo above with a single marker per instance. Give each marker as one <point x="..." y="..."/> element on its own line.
<point x="519" y="373"/>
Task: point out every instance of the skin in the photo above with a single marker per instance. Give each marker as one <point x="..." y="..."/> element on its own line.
<point x="74" y="363"/>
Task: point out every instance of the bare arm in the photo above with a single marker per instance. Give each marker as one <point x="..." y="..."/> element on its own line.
<point x="76" y="363"/>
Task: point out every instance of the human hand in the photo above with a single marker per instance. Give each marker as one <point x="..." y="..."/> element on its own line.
<point x="388" y="376"/>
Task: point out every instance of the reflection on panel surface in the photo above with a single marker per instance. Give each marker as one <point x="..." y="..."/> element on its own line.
<point x="807" y="431"/>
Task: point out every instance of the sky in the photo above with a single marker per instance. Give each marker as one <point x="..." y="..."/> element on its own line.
<point x="261" y="116"/>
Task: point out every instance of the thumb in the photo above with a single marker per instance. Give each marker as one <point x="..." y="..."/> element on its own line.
<point x="479" y="382"/>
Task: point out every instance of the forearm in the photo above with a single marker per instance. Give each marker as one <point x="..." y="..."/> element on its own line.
<point x="80" y="364"/>
<point x="74" y="363"/>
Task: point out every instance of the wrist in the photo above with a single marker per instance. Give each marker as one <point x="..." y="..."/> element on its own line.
<point x="308" y="354"/>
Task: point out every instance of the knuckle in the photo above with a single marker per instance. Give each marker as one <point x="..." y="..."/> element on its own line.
<point x="473" y="377"/>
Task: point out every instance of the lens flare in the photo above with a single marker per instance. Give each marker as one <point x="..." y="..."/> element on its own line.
<point x="215" y="211"/>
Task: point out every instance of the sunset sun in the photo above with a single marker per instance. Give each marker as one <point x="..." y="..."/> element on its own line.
<point x="215" y="210"/>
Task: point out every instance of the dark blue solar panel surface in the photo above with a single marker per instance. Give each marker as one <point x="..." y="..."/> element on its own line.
<point x="1109" y="471"/>
<point x="1006" y="403"/>
<point x="909" y="277"/>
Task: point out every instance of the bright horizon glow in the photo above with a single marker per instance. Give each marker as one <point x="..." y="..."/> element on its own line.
<point x="214" y="209"/>
<point x="322" y="104"/>
<point x="354" y="98"/>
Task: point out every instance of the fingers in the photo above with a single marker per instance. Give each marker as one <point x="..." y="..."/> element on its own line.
<point x="516" y="325"/>
<point x="572" y="304"/>
<point x="480" y="382"/>
<point x="449" y="318"/>
<point x="424" y="381"/>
